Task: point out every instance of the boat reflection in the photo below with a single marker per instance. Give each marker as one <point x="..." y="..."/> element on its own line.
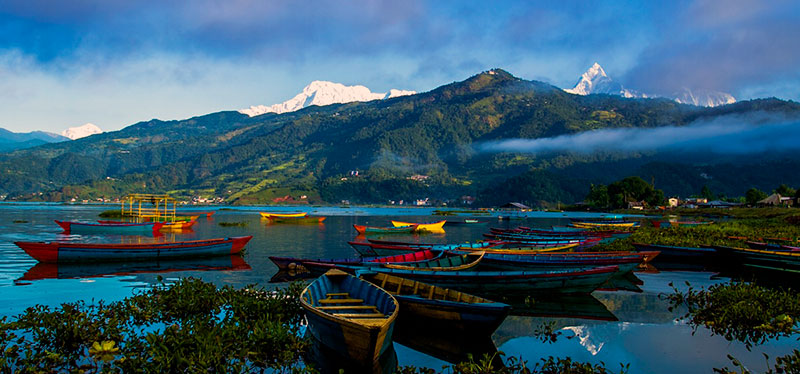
<point x="92" y="270"/>
<point x="565" y="306"/>
<point x="451" y="345"/>
<point x="624" y="282"/>
<point x="327" y="361"/>
<point x="292" y="275"/>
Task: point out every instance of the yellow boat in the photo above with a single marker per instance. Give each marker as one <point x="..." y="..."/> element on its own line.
<point x="520" y="250"/>
<point x="430" y="226"/>
<point x="589" y="225"/>
<point x="282" y="215"/>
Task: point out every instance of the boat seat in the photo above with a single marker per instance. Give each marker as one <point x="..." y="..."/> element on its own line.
<point x="359" y="315"/>
<point x="348" y="307"/>
<point x="341" y="301"/>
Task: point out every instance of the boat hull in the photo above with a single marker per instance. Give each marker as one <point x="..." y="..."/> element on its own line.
<point x="512" y="282"/>
<point x="57" y="252"/>
<point x="122" y="228"/>
<point x="359" y="339"/>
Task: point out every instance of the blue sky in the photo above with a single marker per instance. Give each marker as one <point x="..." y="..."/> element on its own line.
<point x="113" y="63"/>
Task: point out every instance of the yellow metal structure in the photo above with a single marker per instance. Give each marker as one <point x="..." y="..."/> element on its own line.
<point x="150" y="208"/>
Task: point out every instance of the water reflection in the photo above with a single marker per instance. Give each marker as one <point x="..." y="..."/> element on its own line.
<point x="452" y="345"/>
<point x="327" y="361"/>
<point x="90" y="270"/>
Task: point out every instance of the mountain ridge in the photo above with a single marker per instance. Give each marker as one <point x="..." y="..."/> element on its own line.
<point x="311" y="152"/>
<point x="596" y="81"/>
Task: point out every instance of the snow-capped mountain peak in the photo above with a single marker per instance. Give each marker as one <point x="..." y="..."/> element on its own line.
<point x="324" y="93"/>
<point x="81" y="131"/>
<point x="596" y="81"/>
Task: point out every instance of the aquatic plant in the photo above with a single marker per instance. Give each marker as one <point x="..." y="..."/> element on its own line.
<point x="744" y="312"/>
<point x="234" y="224"/>
<point x="188" y="326"/>
<point x="491" y="364"/>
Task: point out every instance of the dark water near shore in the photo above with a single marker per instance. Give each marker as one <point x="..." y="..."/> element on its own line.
<point x="627" y="325"/>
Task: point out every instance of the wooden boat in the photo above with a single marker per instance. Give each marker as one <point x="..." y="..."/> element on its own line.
<point x="367" y="230"/>
<point x="441" y="308"/>
<point x="350" y="316"/>
<point x="269" y="215"/>
<point x="625" y="262"/>
<point x="466" y="221"/>
<point x="298" y="220"/>
<point x="588" y="225"/>
<point x="373" y="249"/>
<point x="430" y="226"/>
<point x="207" y="214"/>
<point x="783" y="261"/>
<point x="580" y="280"/>
<point x="77" y="252"/>
<point x="110" y="227"/>
<point x="178" y="226"/>
<point x="527" y="250"/>
<point x="673" y="253"/>
<point x="443" y="247"/>
<point x="289" y="263"/>
<point x="449" y="262"/>
<point x="771" y="246"/>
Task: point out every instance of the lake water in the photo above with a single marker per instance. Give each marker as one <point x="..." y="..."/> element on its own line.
<point x="628" y="325"/>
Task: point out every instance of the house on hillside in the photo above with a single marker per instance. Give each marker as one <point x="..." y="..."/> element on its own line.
<point x="776" y="200"/>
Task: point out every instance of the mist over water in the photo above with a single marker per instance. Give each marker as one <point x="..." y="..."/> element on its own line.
<point x="735" y="135"/>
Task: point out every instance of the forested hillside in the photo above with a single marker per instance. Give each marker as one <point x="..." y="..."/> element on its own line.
<point x="430" y="136"/>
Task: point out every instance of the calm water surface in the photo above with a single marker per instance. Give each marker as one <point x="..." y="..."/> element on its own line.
<point x="629" y="324"/>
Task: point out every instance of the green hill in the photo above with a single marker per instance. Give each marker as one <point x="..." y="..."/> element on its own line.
<point x="429" y="135"/>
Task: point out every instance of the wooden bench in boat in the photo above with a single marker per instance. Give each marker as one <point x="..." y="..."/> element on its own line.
<point x="348" y="311"/>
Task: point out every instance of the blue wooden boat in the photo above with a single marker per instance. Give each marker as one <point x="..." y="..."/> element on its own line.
<point x="92" y="252"/>
<point x="293" y="263"/>
<point x="122" y="228"/>
<point x="543" y="261"/>
<point x="781" y="261"/>
<point x="673" y="253"/>
<point x="350" y="316"/>
<point x="580" y="280"/>
<point x="438" y="307"/>
<point x="371" y="249"/>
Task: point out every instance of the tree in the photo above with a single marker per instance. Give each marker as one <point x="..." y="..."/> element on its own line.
<point x="754" y="195"/>
<point x="706" y="193"/>
<point x="633" y="189"/>
<point x="598" y="196"/>
<point x="785" y="190"/>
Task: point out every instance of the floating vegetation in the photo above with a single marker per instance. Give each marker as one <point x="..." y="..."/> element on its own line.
<point x="744" y="312"/>
<point x="514" y="365"/>
<point x="234" y="224"/>
<point x="20" y="221"/>
<point x="190" y="326"/>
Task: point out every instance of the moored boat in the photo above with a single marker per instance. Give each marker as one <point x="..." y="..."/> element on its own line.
<point x="782" y="261"/>
<point x="290" y="263"/>
<point x="580" y="280"/>
<point x="674" y="253"/>
<point x="366" y="230"/>
<point x="350" y="316"/>
<point x="438" y="307"/>
<point x="298" y="220"/>
<point x="269" y="215"/>
<point x="110" y="227"/>
<point x="77" y="252"/>
<point x="449" y="262"/>
<point x="430" y="226"/>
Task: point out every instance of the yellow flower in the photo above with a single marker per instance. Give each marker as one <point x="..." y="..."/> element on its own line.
<point x="104" y="351"/>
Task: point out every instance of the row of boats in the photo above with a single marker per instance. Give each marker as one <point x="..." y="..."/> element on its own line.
<point x="352" y="306"/>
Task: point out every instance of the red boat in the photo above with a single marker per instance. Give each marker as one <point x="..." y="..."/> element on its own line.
<point x="77" y="252"/>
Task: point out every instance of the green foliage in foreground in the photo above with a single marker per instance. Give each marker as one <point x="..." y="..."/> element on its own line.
<point x="747" y="313"/>
<point x="193" y="327"/>
<point x="187" y="327"/>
